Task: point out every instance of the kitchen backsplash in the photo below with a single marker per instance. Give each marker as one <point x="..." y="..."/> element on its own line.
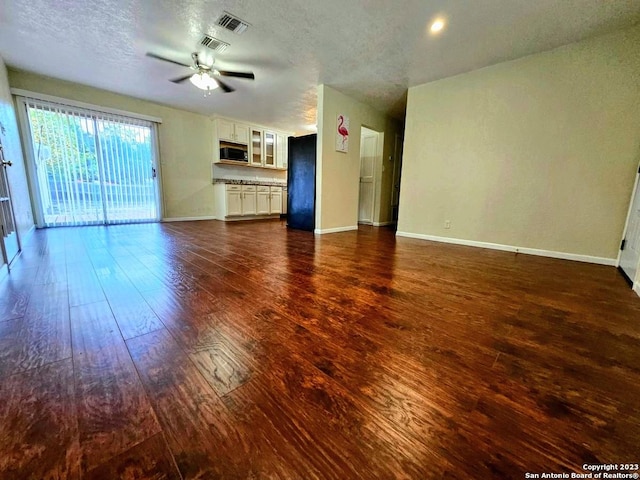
<point x="241" y="172"/>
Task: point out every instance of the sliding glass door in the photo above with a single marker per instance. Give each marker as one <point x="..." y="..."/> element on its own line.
<point x="129" y="172"/>
<point x="91" y="167"/>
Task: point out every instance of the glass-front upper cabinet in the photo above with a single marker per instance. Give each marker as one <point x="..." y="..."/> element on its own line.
<point x="269" y="149"/>
<point x="256" y="147"/>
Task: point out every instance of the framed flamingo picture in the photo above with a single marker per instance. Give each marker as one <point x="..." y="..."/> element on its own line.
<point x="342" y="134"/>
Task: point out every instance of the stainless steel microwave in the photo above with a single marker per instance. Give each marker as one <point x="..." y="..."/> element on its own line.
<point x="236" y="154"/>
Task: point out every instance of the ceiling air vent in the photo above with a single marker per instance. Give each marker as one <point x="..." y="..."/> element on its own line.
<point x="232" y="23"/>
<point x="214" y="43"/>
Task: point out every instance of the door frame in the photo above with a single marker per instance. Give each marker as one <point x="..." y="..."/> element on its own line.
<point x="375" y="174"/>
<point x="397" y="168"/>
<point x="30" y="163"/>
<point x="636" y="184"/>
<point x="5" y="254"/>
<point x="155" y="145"/>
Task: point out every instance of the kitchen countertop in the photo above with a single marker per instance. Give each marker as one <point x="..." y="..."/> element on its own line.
<point x="250" y="182"/>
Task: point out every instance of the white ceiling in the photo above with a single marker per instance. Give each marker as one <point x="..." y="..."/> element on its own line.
<point x="372" y="50"/>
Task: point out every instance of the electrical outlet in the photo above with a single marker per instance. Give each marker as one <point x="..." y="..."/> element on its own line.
<point x="447" y="224"/>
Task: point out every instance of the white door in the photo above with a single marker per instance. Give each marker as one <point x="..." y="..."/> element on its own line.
<point x="10" y="246"/>
<point x="368" y="154"/>
<point x="630" y="254"/>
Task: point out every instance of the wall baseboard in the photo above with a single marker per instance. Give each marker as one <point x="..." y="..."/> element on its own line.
<point x="511" y="248"/>
<point x="636" y="288"/>
<point x="382" y="224"/>
<point x="187" y="219"/>
<point x="251" y="217"/>
<point x="319" y="231"/>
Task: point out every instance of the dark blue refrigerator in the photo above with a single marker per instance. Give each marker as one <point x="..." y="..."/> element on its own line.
<point x="301" y="183"/>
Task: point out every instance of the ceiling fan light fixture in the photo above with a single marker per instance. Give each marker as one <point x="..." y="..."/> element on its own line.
<point x="203" y="81"/>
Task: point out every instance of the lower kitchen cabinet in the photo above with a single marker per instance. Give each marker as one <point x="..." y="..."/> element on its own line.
<point x="269" y="200"/>
<point x="275" y="200"/>
<point x="264" y="203"/>
<point x="240" y="200"/>
<point x="248" y="201"/>
<point x="234" y="200"/>
<point x="284" y="201"/>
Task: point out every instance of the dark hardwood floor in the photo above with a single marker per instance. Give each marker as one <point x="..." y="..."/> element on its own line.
<point x="206" y="350"/>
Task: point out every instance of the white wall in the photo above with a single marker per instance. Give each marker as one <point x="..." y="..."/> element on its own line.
<point x="13" y="153"/>
<point x="540" y="152"/>
<point x="186" y="142"/>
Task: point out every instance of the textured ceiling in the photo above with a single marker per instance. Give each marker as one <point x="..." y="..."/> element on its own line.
<point x="372" y="50"/>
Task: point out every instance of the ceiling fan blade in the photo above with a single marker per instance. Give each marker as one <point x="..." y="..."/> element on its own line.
<point x="182" y="79"/>
<point x="158" y="57"/>
<point x="223" y="85"/>
<point x="226" y="73"/>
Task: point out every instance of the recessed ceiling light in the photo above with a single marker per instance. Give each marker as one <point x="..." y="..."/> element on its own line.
<point x="437" y="25"/>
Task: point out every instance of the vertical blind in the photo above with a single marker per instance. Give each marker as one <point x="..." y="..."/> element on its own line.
<point x="92" y="167"/>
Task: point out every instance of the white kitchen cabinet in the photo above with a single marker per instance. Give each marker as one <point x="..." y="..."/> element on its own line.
<point x="225" y="130"/>
<point x="234" y="200"/>
<point x="232" y="132"/>
<point x="284" y="201"/>
<point x="264" y="147"/>
<point x="276" y="200"/>
<point x="256" y="153"/>
<point x="269" y="200"/>
<point x="242" y="134"/>
<point x="240" y="200"/>
<point x="249" y="200"/>
<point x="263" y="200"/>
<point x="269" y="159"/>
<point x="281" y="151"/>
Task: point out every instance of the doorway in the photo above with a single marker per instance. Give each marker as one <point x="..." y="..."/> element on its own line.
<point x="397" y="174"/>
<point x="368" y="158"/>
<point x="91" y="168"/>
<point x="10" y="244"/>
<point x="630" y="249"/>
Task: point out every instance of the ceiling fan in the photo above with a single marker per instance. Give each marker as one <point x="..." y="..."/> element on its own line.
<point x="206" y="77"/>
